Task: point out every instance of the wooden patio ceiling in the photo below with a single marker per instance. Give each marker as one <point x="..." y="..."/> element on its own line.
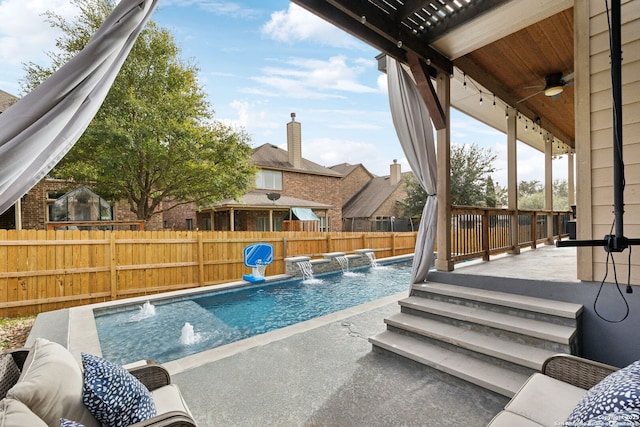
<point x="502" y="47"/>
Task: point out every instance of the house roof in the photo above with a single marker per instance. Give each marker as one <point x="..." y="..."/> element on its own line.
<point x="364" y="203"/>
<point x="258" y="200"/>
<point x="6" y="100"/>
<point x="504" y="48"/>
<point x="271" y="157"/>
<point x="345" y="168"/>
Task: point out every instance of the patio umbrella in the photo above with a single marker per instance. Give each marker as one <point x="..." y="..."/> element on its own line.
<point x="38" y="130"/>
<point x="412" y="122"/>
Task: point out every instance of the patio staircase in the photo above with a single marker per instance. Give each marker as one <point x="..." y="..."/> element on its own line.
<point x="493" y="339"/>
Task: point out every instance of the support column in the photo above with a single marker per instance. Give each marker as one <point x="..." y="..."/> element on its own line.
<point x="571" y="186"/>
<point x="270" y="219"/>
<point x="232" y="220"/>
<point x="548" y="184"/>
<point x="443" y="141"/>
<point x="512" y="176"/>
<point x="17" y="207"/>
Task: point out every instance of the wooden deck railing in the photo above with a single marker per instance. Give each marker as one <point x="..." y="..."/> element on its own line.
<point x="482" y="232"/>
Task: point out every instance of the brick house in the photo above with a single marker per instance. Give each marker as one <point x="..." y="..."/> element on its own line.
<point x="292" y="193"/>
<point x="369" y="202"/>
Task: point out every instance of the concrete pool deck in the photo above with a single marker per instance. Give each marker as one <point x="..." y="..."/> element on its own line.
<point x="328" y="376"/>
<point x="323" y="372"/>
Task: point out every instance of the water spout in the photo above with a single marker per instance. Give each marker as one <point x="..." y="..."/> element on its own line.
<point x="306" y="269"/>
<point x="344" y="263"/>
<point x="188" y="336"/>
<point x="372" y="259"/>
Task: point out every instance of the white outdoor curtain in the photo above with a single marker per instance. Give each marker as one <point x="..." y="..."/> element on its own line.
<point x="38" y="130"/>
<point x="415" y="132"/>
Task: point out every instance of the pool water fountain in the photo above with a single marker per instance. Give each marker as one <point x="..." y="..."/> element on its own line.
<point x="372" y="259"/>
<point x="344" y="265"/>
<point x="146" y="310"/>
<point x="307" y="272"/>
<point x="188" y="335"/>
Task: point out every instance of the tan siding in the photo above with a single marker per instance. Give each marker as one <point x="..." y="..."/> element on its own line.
<point x="601" y="134"/>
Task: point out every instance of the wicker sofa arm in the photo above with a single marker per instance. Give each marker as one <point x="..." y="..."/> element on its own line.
<point x="583" y="373"/>
<point x="153" y="375"/>
<point x="19" y="356"/>
<point x="169" y="419"/>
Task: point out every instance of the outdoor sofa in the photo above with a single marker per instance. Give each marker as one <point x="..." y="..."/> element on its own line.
<point x="571" y="391"/>
<point x="46" y="386"/>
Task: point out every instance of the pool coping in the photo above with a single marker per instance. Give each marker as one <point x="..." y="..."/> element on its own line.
<point x="82" y="332"/>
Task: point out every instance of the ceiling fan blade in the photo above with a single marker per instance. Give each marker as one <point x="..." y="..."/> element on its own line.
<point x="569" y="83"/>
<point x="533" y="87"/>
<point x="568" y="77"/>
<point x="530" y="96"/>
<point x="555" y="97"/>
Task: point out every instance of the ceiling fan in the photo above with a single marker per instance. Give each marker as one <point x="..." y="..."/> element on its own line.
<point x="554" y="85"/>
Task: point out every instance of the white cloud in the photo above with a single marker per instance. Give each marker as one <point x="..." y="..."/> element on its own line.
<point x="313" y="78"/>
<point x="24" y="36"/>
<point x="296" y="24"/>
<point x="217" y="7"/>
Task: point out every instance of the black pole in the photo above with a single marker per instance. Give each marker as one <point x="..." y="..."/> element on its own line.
<point x="618" y="241"/>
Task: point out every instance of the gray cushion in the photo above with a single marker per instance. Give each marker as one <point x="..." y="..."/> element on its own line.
<point x="14" y="413"/>
<point x="545" y="400"/>
<point x="509" y="419"/>
<point x="51" y="385"/>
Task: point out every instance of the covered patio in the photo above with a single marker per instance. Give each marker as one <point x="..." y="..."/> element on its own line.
<point x="532" y="72"/>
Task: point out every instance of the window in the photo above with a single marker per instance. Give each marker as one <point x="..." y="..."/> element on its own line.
<point x="189" y="224"/>
<point x="269" y="179"/>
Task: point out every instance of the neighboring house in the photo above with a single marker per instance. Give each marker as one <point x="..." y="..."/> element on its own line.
<point x="6" y="100"/>
<point x="43" y="203"/>
<point x="372" y="205"/>
<point x="292" y="193"/>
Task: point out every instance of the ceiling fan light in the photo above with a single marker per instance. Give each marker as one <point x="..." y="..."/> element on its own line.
<point x="553" y="90"/>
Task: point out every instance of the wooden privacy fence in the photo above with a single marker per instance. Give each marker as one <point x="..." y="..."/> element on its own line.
<point x="42" y="270"/>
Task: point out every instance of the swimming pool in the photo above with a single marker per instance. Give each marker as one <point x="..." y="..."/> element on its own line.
<point x="175" y="329"/>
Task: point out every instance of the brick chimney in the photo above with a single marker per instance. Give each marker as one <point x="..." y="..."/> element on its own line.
<point x="294" y="142"/>
<point x="395" y="173"/>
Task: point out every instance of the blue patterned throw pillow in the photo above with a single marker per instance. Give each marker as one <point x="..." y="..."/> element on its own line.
<point x="618" y="393"/>
<point x="68" y="423"/>
<point x="114" y="396"/>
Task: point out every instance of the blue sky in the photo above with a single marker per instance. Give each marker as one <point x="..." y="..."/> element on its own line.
<point x="260" y="60"/>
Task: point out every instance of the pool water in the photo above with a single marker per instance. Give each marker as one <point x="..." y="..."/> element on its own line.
<point x="222" y="317"/>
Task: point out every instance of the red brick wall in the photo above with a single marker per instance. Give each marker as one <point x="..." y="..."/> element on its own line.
<point x="389" y="208"/>
<point x="353" y="183"/>
<point x="176" y="217"/>
<point x="318" y="188"/>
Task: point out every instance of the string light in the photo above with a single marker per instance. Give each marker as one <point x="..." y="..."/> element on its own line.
<point x="494" y="101"/>
<point x="480" y="97"/>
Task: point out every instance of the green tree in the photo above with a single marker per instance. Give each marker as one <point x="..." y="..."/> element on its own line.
<point x="153" y="140"/>
<point x="531" y="195"/>
<point x="413" y="204"/>
<point x="491" y="197"/>
<point x="471" y="165"/>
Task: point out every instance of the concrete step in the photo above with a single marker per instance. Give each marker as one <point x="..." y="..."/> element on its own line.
<point x="523" y="326"/>
<point x="560" y="309"/>
<point x="497" y="379"/>
<point x="473" y="341"/>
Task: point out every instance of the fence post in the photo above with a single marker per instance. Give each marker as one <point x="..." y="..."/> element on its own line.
<point x="534" y="230"/>
<point x="112" y="266"/>
<point x="364" y="240"/>
<point x="284" y="247"/>
<point x="329" y="250"/>
<point x="393" y="244"/>
<point x="200" y="260"/>
<point x="485" y="235"/>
